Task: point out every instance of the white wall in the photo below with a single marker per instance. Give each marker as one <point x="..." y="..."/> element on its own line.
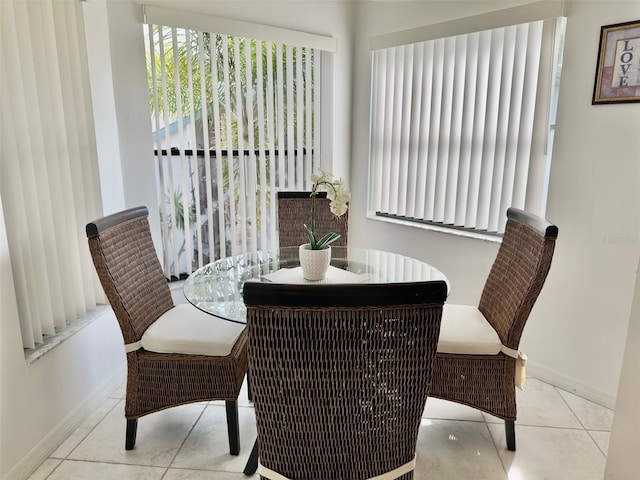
<point x="623" y="461"/>
<point x="43" y="402"/>
<point x="594" y="198"/>
<point x="576" y="332"/>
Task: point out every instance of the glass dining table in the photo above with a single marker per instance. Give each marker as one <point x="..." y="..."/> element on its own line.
<point x="216" y="288"/>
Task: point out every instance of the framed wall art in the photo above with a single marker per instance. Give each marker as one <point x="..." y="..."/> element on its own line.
<point x="618" y="69"/>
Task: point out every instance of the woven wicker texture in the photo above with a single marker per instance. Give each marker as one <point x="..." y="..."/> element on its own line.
<point x="512" y="287"/>
<point x="294" y="212"/>
<point x="339" y="391"/>
<point x="132" y="279"/>
<point x="515" y="280"/>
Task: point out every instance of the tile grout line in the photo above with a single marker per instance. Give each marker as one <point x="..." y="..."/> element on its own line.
<point x="66" y="457"/>
<point x="579" y="420"/>
<point x="495" y="446"/>
<point x="184" y="441"/>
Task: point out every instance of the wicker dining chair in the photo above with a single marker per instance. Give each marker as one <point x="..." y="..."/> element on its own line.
<point x="478" y="359"/>
<point x="176" y="354"/>
<point x="294" y="210"/>
<point x="340" y="375"/>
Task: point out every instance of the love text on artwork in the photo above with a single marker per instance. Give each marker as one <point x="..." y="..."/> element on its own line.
<point x="626" y="67"/>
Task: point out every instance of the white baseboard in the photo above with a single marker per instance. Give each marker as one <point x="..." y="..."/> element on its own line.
<point x="570" y="384"/>
<point x="38" y="454"/>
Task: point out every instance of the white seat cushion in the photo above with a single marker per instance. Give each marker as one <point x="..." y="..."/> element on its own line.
<point x="464" y="330"/>
<point x="185" y="329"/>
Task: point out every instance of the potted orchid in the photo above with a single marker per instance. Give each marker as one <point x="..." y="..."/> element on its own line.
<point x="315" y="256"/>
<point x="338" y="195"/>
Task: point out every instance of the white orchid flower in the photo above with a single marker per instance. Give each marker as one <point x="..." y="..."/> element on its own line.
<point x="338" y="195"/>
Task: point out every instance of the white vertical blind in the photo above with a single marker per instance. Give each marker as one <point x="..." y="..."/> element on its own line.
<point x="452" y="122"/>
<point x="48" y="178"/>
<point x="242" y="116"/>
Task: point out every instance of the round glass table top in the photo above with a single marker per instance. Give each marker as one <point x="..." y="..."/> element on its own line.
<point x="216" y="288"/>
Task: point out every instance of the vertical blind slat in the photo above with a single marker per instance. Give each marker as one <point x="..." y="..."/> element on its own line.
<point x="504" y="109"/>
<point x="187" y="166"/>
<point x="214" y="40"/>
<point x="290" y="136"/>
<point x="437" y="53"/>
<point x="240" y="238"/>
<point x="282" y="165"/>
<point x="262" y="158"/>
<point x="444" y="140"/>
<point x="491" y="129"/>
<point x="396" y="133"/>
<point x="228" y="113"/>
<point x="377" y="131"/>
<point x="515" y="119"/>
<point x="273" y="164"/>
<point x="194" y="169"/>
<point x="481" y="86"/>
<point x="158" y="143"/>
<point x="251" y="185"/>
<point x="317" y="141"/>
<point x="405" y="131"/>
<point x="530" y="87"/>
<point x="171" y="241"/>
<point x="456" y="132"/>
<point x="206" y="145"/>
<point x="425" y="125"/>
<point x="414" y="135"/>
<point x="388" y="132"/>
<point x="464" y="172"/>
<point x="299" y="83"/>
<point x="308" y="115"/>
<point x="182" y="164"/>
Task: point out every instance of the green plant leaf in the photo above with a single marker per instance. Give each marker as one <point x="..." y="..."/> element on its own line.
<point x="312" y="238"/>
<point x="328" y="239"/>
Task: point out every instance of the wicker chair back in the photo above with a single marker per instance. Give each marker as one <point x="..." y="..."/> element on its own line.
<point x="294" y="210"/>
<point x="518" y="274"/>
<point x="129" y="270"/>
<point x="340" y="374"/>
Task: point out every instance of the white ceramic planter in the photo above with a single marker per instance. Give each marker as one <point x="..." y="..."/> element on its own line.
<point x="314" y="263"/>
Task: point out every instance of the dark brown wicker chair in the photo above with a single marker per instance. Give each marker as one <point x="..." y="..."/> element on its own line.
<point x="479" y="370"/>
<point x="294" y="210"/>
<point x="182" y="369"/>
<point x="340" y="375"/>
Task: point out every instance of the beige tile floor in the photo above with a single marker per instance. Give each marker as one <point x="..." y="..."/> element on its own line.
<point x="560" y="436"/>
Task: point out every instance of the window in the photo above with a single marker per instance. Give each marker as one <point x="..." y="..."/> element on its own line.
<point x="235" y="118"/>
<point x="460" y="123"/>
<point x="49" y="170"/>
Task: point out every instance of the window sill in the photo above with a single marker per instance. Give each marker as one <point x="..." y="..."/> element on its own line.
<point x="50" y="341"/>
<point x="459" y="232"/>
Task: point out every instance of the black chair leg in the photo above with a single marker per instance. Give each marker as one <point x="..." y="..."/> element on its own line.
<point x="132" y="430"/>
<point x="510" y="430"/>
<point x="232" y="427"/>
<point x="252" y="464"/>
<point x="249" y="392"/>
